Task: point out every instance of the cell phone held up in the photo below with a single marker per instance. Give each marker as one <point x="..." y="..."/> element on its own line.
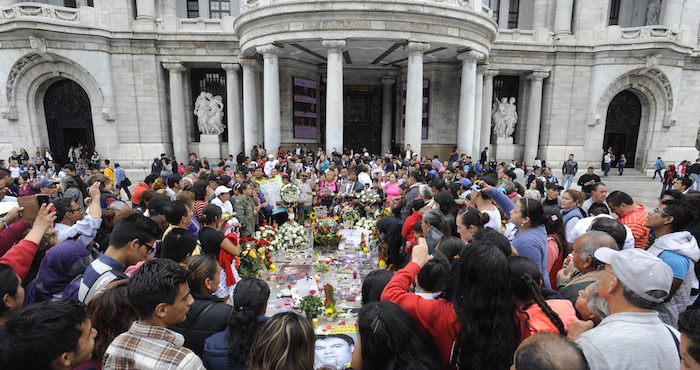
<point x="31" y="205"/>
<point x="433" y="237"/>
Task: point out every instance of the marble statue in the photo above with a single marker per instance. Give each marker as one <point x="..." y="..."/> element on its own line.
<point x="504" y="117"/>
<point x="209" y="110"/>
<point x="653" y="10"/>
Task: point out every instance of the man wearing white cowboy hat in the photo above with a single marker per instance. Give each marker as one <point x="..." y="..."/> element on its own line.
<point x="634" y="283"/>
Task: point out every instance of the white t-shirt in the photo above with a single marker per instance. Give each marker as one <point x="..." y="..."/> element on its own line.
<point x="584" y="224"/>
<point x="494" y="219"/>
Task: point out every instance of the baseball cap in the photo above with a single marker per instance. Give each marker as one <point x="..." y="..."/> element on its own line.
<point x="46" y="183"/>
<point x="465" y="182"/>
<point x="221" y="190"/>
<point x="554" y="185"/>
<point x="639" y="270"/>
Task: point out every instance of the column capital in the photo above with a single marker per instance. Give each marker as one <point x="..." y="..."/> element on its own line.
<point x="174" y="66"/>
<point x="388" y="80"/>
<point x="538" y="75"/>
<point x="471" y="55"/>
<point x="417" y="48"/>
<point x="269" y="50"/>
<point x="334" y="46"/>
<point x="491" y="73"/>
<point x="231" y="67"/>
<point x="248" y="63"/>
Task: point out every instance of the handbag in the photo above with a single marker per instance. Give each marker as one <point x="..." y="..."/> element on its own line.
<point x="126" y="182"/>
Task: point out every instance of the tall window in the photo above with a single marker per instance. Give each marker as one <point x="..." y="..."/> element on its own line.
<point x="494" y="5"/>
<point x="513" y="14"/>
<point x="614" y="18"/>
<point x="192" y="8"/>
<point x="219" y="8"/>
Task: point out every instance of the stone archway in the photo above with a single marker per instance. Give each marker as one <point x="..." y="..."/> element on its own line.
<point x="653" y="89"/>
<point x="68" y="118"/>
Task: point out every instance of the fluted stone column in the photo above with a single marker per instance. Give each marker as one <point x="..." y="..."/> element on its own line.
<point x="233" y="108"/>
<point x="334" y="96"/>
<point x="259" y="106"/>
<point x="271" y="75"/>
<point x="503" y="10"/>
<point x="563" y="17"/>
<point x="539" y="16"/>
<point x="671" y="12"/>
<point x="177" y="111"/>
<point x="486" y="104"/>
<point x="467" y="90"/>
<point x="387" y="83"/>
<point x="534" y="114"/>
<point x="478" y="97"/>
<point x="414" y="96"/>
<point x="146" y="10"/>
<point x="250" y="104"/>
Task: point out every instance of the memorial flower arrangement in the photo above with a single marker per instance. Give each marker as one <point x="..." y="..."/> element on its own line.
<point x="321" y="267"/>
<point x="368" y="197"/>
<point x="382" y="212"/>
<point x="269" y="234"/>
<point x="311" y="305"/>
<point x="349" y="215"/>
<point x="248" y="264"/>
<point x="326" y="233"/>
<point x="371" y="225"/>
<point x="290" y="193"/>
<point x="383" y="255"/>
<point x="292" y="233"/>
<point x="363" y="245"/>
<point x="328" y="291"/>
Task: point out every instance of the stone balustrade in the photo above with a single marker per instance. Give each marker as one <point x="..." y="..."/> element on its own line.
<point x="248" y="5"/>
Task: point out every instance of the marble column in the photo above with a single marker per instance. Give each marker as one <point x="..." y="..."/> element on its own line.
<point x="387" y="83"/>
<point x="503" y="14"/>
<point x="534" y="114"/>
<point x="177" y="111"/>
<point x="539" y="15"/>
<point x="146" y="10"/>
<point x="467" y="102"/>
<point x="203" y="6"/>
<point x="170" y="8"/>
<point x="233" y="108"/>
<point x="486" y="104"/>
<point x="271" y="89"/>
<point x="563" y="17"/>
<point x="478" y="98"/>
<point x="414" y="96"/>
<point x="259" y="106"/>
<point x="250" y="104"/>
<point x="334" y="96"/>
<point x="671" y="12"/>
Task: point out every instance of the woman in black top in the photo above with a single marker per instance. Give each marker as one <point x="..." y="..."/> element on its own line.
<point x="211" y="234"/>
<point x="208" y="314"/>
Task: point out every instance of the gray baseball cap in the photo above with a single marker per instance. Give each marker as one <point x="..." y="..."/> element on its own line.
<point x="639" y="270"/>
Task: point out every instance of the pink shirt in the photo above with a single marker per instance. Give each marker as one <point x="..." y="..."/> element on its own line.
<point x="391" y="191"/>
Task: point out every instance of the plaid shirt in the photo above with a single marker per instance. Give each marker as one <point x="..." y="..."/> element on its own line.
<point x="635" y="220"/>
<point x="150" y="347"/>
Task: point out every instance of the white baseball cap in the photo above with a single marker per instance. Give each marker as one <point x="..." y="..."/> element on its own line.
<point x="639" y="270"/>
<point x="221" y="190"/>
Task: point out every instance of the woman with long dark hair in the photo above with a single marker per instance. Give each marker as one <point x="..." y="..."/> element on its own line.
<point x="11" y="292"/>
<point x="285" y="342"/>
<point x="472" y="322"/>
<point x="537" y="314"/>
<point x="469" y="221"/>
<point x="531" y="238"/>
<point x="389" y="339"/>
<point x="557" y="248"/>
<point x="219" y="246"/>
<point x="208" y="314"/>
<point x="445" y="202"/>
<point x="230" y="349"/>
<point x="374" y="284"/>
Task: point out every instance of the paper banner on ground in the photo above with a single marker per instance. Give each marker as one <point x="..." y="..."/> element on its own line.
<point x="353" y="237"/>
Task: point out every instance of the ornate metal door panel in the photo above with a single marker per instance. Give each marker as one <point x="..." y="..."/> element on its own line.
<point x="622" y="126"/>
<point x="363" y="118"/>
<point x="68" y="117"/>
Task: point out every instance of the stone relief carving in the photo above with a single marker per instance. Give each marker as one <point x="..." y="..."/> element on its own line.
<point x="649" y="31"/>
<point x="39" y="10"/>
<point x="17" y="70"/>
<point x="653" y="10"/>
<point x="209" y="110"/>
<point x="504" y="117"/>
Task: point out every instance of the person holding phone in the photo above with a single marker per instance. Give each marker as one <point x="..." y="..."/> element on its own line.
<point x="70" y="222"/>
<point x="434" y="227"/>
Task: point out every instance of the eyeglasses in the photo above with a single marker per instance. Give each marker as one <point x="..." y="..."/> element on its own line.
<point x="664" y="214"/>
<point x="77" y="209"/>
<point x="151" y="248"/>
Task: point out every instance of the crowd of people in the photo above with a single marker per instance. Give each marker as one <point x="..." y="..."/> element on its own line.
<point x="491" y="265"/>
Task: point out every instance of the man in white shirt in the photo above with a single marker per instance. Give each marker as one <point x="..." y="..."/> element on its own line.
<point x="175" y="184"/>
<point x="598" y="194"/>
<point x="70" y="223"/>
<point x="364" y="177"/>
<point x="270" y="164"/>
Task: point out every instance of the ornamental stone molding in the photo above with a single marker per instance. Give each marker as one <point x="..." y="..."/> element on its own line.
<point x="269" y="50"/>
<point x="37" y="10"/>
<point x="334" y="46"/>
<point x="538" y="75"/>
<point x="471" y="55"/>
<point x="417" y="48"/>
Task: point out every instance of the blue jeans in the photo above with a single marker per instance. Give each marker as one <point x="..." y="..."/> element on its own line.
<point x="658" y="170"/>
<point x="696" y="181"/>
<point x="567" y="180"/>
<point x="606" y="168"/>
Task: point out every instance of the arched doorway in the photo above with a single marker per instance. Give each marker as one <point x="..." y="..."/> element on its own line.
<point x="622" y="126"/>
<point x="68" y="118"/>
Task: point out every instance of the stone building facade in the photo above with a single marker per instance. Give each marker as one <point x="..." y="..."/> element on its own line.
<point x="124" y="76"/>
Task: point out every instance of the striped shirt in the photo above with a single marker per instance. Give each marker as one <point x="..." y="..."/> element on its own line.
<point x="635" y="220"/>
<point x="149" y="347"/>
<point x="103" y="265"/>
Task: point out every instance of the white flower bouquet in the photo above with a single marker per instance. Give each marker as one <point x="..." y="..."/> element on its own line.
<point x="368" y="197"/>
<point x="292" y="233"/>
<point x="290" y="193"/>
<point x="270" y="234"/>
<point x="349" y="214"/>
<point x="371" y="225"/>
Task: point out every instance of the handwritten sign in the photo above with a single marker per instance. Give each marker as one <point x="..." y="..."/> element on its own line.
<point x="271" y="189"/>
<point x="354" y="237"/>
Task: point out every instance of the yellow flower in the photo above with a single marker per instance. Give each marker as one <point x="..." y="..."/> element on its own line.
<point x="312" y="215"/>
<point x="272" y="267"/>
<point x="382" y="263"/>
<point x="335" y="217"/>
<point x="252" y="253"/>
<point x="330" y="312"/>
<point x="245" y="252"/>
<point x="365" y="250"/>
<point x="260" y="250"/>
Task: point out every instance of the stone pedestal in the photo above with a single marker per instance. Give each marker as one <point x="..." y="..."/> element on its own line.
<point x="209" y="147"/>
<point x="504" y="149"/>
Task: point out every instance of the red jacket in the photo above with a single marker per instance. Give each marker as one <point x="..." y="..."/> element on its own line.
<point x="136" y="193"/>
<point x="437" y="317"/>
<point x="20" y="257"/>
<point x="407" y="229"/>
<point x="9" y="236"/>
